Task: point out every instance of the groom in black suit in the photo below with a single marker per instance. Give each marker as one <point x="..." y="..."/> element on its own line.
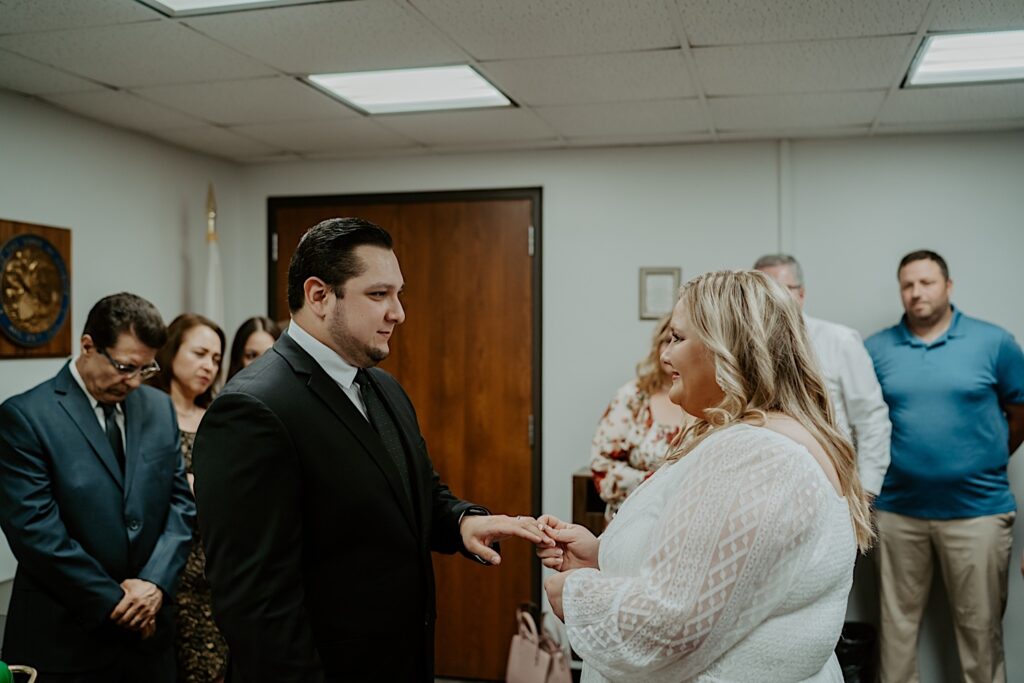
<point x="318" y="503"/>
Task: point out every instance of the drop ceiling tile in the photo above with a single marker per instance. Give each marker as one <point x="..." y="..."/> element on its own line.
<point x="499" y="29"/>
<point x="949" y="127"/>
<point x="735" y="22"/>
<point x="802" y="67"/>
<point x="326" y="38"/>
<point x="403" y="152"/>
<point x="24" y="16"/>
<point x="626" y="118"/>
<point x="33" y="78"/>
<point x="357" y="134"/>
<point x="149" y="53"/>
<point x="789" y="112"/>
<point x="283" y="157"/>
<point x="217" y="142"/>
<point x="261" y="100"/>
<point x="497" y="146"/>
<point x="650" y="75"/>
<point x="122" y="109"/>
<point x="803" y="133"/>
<point x="640" y="140"/>
<point x="974" y="15"/>
<point x="955" y="103"/>
<point x="470" y="127"/>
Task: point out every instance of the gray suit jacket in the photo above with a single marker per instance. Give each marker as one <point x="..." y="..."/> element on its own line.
<point x="78" y="526"/>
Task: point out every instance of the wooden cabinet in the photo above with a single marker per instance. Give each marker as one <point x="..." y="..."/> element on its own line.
<point x="587" y="506"/>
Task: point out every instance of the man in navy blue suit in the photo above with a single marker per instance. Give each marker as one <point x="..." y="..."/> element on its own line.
<point x="96" y="508"/>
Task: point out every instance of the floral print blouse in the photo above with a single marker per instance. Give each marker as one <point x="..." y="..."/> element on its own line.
<point x="628" y="447"/>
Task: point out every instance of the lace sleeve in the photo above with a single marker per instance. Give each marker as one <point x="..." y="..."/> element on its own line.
<point x="616" y="437"/>
<point x="730" y="541"/>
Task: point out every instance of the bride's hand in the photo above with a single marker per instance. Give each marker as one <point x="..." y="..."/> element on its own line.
<point x="576" y="547"/>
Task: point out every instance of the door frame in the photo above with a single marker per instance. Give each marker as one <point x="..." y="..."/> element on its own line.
<point x="535" y="195"/>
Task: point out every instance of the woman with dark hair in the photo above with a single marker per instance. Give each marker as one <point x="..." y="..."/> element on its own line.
<point x="190" y="364"/>
<point x="254" y="337"/>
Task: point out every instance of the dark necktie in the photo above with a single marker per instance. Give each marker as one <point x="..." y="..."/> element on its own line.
<point x="382" y="421"/>
<point x="114" y="432"/>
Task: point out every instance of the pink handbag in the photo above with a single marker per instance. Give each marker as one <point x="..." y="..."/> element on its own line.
<point x="535" y="657"/>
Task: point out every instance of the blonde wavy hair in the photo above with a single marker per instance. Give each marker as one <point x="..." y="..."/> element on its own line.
<point x="763" y="363"/>
<point x="650" y="376"/>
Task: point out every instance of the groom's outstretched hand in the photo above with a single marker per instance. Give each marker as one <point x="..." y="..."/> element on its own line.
<point x="480" y="532"/>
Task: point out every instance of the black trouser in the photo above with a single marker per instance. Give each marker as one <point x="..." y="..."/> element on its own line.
<point x="132" y="667"/>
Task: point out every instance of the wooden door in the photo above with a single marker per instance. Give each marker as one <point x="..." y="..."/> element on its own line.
<point x="467" y="355"/>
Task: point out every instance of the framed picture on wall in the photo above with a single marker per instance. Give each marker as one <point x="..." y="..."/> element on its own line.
<point x="658" y="289"/>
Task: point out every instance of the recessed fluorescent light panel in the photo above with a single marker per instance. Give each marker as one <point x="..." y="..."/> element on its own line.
<point x="187" y="8"/>
<point x="969" y="58"/>
<point x="407" y="90"/>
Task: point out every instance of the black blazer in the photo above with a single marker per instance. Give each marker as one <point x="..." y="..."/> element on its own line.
<point x="319" y="563"/>
<point x="78" y="526"/>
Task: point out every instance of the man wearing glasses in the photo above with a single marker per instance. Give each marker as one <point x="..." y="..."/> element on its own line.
<point x="96" y="508"/>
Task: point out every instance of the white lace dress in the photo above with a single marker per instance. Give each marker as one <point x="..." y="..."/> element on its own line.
<point x="732" y="564"/>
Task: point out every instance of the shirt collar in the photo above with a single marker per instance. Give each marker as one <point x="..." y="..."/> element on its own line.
<point x="953" y="332"/>
<point x="81" y="383"/>
<point x="333" y="364"/>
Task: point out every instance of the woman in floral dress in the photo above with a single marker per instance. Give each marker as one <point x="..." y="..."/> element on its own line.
<point x="637" y="429"/>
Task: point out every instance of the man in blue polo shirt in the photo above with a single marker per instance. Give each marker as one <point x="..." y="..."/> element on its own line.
<point x="955" y="390"/>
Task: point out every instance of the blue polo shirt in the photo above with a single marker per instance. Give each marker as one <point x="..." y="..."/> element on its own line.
<point x="950" y="438"/>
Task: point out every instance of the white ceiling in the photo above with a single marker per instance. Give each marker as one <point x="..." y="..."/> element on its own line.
<point x="583" y="72"/>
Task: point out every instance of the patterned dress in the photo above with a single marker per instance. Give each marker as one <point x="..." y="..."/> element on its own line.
<point x="200" y="648"/>
<point x="628" y="447"/>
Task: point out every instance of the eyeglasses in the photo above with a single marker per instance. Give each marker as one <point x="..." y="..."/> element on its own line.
<point x="130" y="371"/>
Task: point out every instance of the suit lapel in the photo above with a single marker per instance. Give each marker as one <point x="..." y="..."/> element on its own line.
<point x="328" y="391"/>
<point x="78" y="407"/>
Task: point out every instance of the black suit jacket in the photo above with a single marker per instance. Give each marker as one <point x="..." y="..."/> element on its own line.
<point x="319" y="563"/>
<point x="78" y="526"/>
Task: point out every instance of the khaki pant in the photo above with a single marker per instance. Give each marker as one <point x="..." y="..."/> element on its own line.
<point x="974" y="557"/>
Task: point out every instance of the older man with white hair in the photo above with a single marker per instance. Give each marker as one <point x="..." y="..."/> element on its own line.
<point x="861" y="412"/>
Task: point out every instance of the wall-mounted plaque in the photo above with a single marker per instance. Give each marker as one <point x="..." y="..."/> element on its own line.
<point x="35" y="291"/>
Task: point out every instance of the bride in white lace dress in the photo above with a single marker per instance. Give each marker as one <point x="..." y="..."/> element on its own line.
<point x="732" y="563"/>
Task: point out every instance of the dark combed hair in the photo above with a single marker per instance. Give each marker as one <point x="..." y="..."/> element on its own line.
<point x="924" y="255"/>
<point x="254" y="324"/>
<point x="325" y="251"/>
<point x="165" y="356"/>
<point x="125" y="313"/>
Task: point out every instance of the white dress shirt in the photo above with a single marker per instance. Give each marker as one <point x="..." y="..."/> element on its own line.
<point x="97" y="409"/>
<point x="856" y="396"/>
<point x="333" y="364"/>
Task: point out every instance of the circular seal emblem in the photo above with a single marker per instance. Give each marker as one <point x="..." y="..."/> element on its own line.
<point x="35" y="292"/>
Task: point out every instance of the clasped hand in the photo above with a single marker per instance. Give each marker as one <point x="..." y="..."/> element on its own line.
<point x="574" y="548"/>
<point x="138" y="608"/>
<point x="480" y="532"/>
<point x="561" y="546"/>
